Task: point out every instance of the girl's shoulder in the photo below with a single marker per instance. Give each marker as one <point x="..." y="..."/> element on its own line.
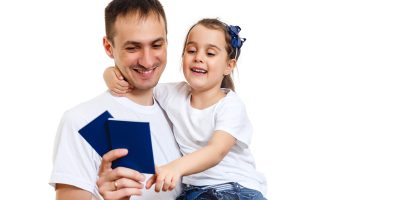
<point x="232" y="98"/>
<point x="173" y="86"/>
<point x="164" y="91"/>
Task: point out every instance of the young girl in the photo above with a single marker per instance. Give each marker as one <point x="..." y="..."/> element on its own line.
<point x="209" y="120"/>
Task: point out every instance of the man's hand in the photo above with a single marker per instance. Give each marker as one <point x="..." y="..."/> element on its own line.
<point x="119" y="183"/>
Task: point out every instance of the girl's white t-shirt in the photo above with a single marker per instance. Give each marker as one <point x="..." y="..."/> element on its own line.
<point x="193" y="129"/>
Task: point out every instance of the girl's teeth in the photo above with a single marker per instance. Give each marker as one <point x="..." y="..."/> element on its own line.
<point x="199" y="70"/>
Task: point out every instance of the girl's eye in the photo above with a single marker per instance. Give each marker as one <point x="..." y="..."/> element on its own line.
<point x="210" y="54"/>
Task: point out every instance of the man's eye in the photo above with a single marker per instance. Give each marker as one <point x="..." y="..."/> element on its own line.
<point x="157" y="46"/>
<point x="131" y="48"/>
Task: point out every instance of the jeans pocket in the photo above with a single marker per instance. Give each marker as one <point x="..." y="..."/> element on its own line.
<point x="250" y="194"/>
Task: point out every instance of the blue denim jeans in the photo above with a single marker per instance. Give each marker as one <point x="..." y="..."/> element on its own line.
<point x="225" y="191"/>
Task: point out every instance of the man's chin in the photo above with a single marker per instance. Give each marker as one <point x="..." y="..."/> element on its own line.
<point x="145" y="86"/>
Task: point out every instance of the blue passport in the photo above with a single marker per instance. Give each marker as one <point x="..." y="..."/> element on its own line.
<point x="105" y="133"/>
<point x="96" y="133"/>
<point x="134" y="136"/>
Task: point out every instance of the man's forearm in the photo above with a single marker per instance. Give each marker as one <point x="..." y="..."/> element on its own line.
<point x="69" y="192"/>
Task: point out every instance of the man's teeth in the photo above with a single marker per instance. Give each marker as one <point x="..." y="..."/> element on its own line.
<point x="144" y="71"/>
<point x="199" y="70"/>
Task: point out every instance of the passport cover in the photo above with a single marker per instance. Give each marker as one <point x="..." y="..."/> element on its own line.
<point x="134" y="136"/>
<point x="96" y="133"/>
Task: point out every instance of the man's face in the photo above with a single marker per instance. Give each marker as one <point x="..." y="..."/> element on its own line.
<point x="139" y="50"/>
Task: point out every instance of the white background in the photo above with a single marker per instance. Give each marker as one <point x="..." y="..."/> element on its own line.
<point x="320" y="79"/>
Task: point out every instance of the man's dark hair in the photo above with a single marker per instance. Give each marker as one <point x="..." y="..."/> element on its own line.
<point x="124" y="7"/>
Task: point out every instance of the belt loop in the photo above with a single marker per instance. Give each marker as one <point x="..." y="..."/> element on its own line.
<point x="237" y="186"/>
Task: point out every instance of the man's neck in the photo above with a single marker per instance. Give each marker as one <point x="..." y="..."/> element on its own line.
<point x="142" y="97"/>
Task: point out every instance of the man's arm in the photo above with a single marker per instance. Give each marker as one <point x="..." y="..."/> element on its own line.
<point x="69" y="192"/>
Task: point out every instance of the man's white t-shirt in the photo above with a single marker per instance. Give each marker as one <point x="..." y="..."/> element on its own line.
<point x="77" y="163"/>
<point x="193" y="129"/>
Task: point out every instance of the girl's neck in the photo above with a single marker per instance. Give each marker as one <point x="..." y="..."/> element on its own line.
<point x="207" y="98"/>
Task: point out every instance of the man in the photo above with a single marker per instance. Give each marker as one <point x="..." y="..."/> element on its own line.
<point x="136" y="38"/>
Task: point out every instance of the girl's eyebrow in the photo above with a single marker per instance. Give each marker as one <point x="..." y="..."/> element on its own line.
<point x="190" y="42"/>
<point x="209" y="45"/>
<point x="214" y="46"/>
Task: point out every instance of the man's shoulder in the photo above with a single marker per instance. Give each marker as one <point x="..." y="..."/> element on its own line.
<point x="89" y="109"/>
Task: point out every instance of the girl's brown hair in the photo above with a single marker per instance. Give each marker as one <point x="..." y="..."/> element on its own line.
<point x="233" y="53"/>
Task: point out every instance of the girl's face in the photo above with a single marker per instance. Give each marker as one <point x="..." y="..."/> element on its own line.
<point x="205" y="60"/>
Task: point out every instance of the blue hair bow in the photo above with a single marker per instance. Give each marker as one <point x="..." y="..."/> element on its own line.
<point x="236" y="41"/>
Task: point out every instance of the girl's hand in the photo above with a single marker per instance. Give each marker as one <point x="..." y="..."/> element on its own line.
<point x="115" y="82"/>
<point x="166" y="178"/>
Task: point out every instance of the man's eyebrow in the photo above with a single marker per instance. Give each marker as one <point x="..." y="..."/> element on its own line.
<point x="135" y="43"/>
<point x="131" y="43"/>
<point x="160" y="39"/>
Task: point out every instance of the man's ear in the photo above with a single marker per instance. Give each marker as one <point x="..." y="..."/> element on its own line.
<point x="108" y="47"/>
<point x="229" y="68"/>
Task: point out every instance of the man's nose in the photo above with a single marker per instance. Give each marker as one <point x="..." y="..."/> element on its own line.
<point x="147" y="58"/>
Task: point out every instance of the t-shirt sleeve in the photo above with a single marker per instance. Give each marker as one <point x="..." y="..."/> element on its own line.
<point x="161" y="93"/>
<point x="73" y="158"/>
<point x="231" y="117"/>
<point x="165" y="92"/>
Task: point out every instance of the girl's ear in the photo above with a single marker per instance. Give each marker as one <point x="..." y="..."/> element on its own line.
<point x="229" y="68"/>
<point x="108" y="47"/>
